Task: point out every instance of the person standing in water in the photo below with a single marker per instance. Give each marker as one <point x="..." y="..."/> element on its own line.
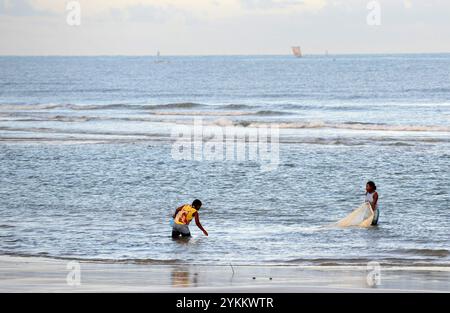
<point x="372" y="198"/>
<point x="182" y="218"/>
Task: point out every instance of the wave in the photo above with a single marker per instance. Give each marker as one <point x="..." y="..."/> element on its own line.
<point x="387" y="261"/>
<point x="222" y="113"/>
<point x="200" y="113"/>
<point x="90" y="107"/>
<point x="271" y="113"/>
<point x="97" y="137"/>
<point x="58" y="118"/>
<point x="364" y="106"/>
<point x="236" y="106"/>
<point x="233" y="109"/>
<point x="6" y="226"/>
<point x="442" y="253"/>
<point x="72" y="118"/>
<point x="26" y="107"/>
<point x="328" y="107"/>
<point x="433" y="90"/>
<point x="94" y="260"/>
<point x="181" y="105"/>
<point x="350" y="126"/>
<point x="281" y="109"/>
<point x="400" y="144"/>
<point x="120" y="133"/>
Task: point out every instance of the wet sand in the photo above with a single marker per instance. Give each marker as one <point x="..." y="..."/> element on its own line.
<point x="19" y="274"/>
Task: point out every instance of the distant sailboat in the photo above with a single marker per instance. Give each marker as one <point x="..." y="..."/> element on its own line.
<point x="158" y="57"/>
<point x="297" y="52"/>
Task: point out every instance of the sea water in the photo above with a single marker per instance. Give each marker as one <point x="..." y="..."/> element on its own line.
<point x="87" y="169"/>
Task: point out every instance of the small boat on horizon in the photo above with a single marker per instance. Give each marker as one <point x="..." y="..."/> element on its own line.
<point x="158" y="58"/>
<point x="297" y="51"/>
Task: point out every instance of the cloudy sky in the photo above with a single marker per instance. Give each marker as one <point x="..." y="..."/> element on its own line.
<point x="203" y="27"/>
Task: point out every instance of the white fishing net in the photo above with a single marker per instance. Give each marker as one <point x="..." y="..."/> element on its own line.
<point x="362" y="217"/>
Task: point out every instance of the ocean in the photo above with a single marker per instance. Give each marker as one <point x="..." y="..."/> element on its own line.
<point x="87" y="165"/>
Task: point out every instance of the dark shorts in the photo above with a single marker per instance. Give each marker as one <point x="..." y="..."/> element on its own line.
<point x="180" y="230"/>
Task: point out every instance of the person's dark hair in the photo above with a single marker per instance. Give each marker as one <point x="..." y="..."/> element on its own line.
<point x="372" y="184"/>
<point x="196" y="203"/>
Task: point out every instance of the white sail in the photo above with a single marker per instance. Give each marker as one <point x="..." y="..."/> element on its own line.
<point x="297" y="52"/>
<point x="158" y="58"/>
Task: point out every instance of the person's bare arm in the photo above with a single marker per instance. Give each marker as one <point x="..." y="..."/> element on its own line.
<point x="199" y="225"/>
<point x="375" y="201"/>
<point x="177" y="210"/>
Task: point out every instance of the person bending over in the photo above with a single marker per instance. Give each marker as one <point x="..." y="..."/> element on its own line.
<point x="183" y="217"/>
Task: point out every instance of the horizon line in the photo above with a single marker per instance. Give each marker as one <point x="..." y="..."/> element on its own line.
<point x="223" y="55"/>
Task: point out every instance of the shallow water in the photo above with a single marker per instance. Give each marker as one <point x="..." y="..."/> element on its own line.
<point x="86" y="168"/>
<point x="113" y="201"/>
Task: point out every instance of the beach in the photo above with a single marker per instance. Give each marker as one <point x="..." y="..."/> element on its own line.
<point x="243" y="146"/>
<point x="19" y="274"/>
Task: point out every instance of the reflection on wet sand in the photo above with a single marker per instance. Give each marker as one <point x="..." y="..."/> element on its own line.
<point x="181" y="277"/>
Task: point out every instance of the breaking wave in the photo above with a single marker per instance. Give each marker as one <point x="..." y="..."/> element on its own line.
<point x="351" y="126"/>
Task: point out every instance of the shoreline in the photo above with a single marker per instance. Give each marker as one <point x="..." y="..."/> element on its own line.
<point x="39" y="274"/>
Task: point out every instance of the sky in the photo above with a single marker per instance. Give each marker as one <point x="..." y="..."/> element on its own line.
<point x="223" y="27"/>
